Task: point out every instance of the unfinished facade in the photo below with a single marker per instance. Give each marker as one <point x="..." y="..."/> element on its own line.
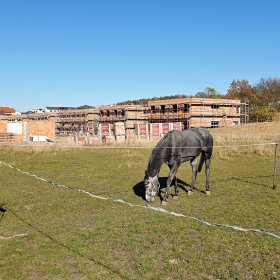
<point x="119" y="123"/>
<point x="26" y="128"/>
<point x="196" y="112"/>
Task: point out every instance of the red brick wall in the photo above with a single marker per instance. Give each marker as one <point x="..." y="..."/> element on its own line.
<point x="42" y="128"/>
<point x="3" y="126"/>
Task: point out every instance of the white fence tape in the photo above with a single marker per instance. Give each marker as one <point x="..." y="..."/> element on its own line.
<point x="158" y="209"/>
<point x="12" y="237"/>
<point x="131" y="147"/>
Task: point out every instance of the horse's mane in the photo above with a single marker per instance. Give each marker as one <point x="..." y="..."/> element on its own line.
<point x="158" y="147"/>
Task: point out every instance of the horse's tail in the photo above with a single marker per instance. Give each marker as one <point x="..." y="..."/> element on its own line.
<point x="201" y="162"/>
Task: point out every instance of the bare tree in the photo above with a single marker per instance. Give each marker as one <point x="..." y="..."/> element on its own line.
<point x="268" y="91"/>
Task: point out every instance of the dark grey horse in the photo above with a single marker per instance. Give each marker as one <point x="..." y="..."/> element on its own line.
<point x="173" y="149"/>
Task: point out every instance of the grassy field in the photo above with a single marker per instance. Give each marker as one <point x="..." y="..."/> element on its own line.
<point x="70" y="235"/>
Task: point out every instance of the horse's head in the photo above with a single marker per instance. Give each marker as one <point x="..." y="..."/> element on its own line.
<point x="152" y="187"/>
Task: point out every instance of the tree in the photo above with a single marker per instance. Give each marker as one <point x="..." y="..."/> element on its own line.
<point x="242" y="90"/>
<point x="268" y="91"/>
<point x="208" y="92"/>
<point x="264" y="97"/>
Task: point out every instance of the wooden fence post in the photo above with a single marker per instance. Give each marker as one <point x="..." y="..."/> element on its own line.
<point x="275" y="164"/>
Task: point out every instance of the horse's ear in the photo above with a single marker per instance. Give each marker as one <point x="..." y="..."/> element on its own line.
<point x="146" y="174"/>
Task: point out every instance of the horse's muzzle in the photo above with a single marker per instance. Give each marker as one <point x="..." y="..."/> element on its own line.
<point x="150" y="198"/>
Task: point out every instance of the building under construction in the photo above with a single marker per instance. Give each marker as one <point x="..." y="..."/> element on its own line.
<point x="196" y="112"/>
<point x="121" y="122"/>
<point x="89" y="125"/>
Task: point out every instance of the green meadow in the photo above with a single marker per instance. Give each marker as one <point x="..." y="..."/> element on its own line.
<point x="53" y="232"/>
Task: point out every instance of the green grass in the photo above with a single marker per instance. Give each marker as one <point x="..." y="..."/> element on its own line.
<point x="73" y="236"/>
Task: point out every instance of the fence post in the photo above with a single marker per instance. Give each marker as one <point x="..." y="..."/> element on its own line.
<point x="275" y="164"/>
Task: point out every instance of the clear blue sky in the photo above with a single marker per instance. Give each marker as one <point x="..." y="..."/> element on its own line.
<point x="71" y="53"/>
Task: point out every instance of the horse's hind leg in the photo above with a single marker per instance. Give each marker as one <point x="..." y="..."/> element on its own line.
<point x="207" y="171"/>
<point x="194" y="173"/>
<point x="176" y="187"/>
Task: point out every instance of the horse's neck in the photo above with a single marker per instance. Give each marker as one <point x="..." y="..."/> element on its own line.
<point x="155" y="164"/>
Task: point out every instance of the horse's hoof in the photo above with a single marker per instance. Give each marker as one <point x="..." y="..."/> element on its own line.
<point x="163" y="202"/>
<point x="175" y="197"/>
<point x="207" y="193"/>
<point x="190" y="192"/>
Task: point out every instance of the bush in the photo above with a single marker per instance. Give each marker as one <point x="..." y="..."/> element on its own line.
<point x="262" y="113"/>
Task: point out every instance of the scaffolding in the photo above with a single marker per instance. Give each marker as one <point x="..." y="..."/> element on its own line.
<point x="131" y="121"/>
<point x="197" y="112"/>
<point x="244" y="111"/>
<point x="72" y="122"/>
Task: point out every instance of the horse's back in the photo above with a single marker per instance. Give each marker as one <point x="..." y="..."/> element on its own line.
<point x="203" y="135"/>
<point x="191" y="141"/>
<point x="197" y="134"/>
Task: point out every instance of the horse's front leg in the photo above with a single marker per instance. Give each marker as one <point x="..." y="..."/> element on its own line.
<point x="175" y="184"/>
<point x="170" y="178"/>
<point x="207" y="171"/>
<point x="194" y="174"/>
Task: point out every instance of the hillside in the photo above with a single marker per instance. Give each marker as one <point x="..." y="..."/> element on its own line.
<point x="254" y="138"/>
<point x="253" y="131"/>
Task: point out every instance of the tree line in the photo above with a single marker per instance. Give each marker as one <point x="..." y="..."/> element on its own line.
<point x="263" y="97"/>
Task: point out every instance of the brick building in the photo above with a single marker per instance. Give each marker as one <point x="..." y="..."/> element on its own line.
<point x="87" y="125"/>
<point x="7" y="111"/>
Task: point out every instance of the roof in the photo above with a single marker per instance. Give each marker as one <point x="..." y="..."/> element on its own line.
<point x="7" y="110"/>
<point x="52" y="108"/>
<point x="194" y="100"/>
<point x="86" y="107"/>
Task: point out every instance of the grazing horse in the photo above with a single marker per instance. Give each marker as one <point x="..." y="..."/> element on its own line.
<point x="173" y="149"/>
